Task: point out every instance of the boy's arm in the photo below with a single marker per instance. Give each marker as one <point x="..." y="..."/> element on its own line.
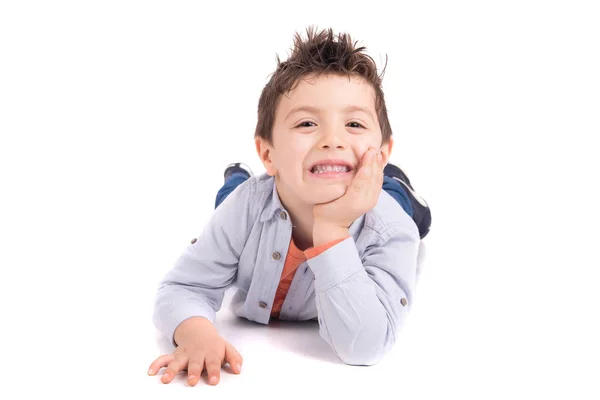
<point x="196" y="284"/>
<point x="362" y="304"/>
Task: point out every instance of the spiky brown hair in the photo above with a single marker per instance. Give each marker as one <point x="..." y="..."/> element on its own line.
<point x="322" y="52"/>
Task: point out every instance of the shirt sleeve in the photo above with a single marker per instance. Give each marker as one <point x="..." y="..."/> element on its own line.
<point x="363" y="302"/>
<point x="196" y="283"/>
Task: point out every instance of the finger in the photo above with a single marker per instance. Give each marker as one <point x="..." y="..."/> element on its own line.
<point x="367" y="185"/>
<point x="375" y="156"/>
<point x="160" y="362"/>
<point x="365" y="172"/>
<point x="370" y="156"/>
<point x="377" y="174"/>
<point x="380" y="167"/>
<point x="362" y="180"/>
<point x="213" y="369"/>
<point x="233" y="358"/>
<point x="177" y="365"/>
<point x="195" y="370"/>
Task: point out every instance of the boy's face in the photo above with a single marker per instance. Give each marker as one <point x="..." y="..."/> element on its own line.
<point x="322" y="129"/>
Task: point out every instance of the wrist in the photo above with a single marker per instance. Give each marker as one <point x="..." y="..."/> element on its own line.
<point x="189" y="329"/>
<point x="324" y="232"/>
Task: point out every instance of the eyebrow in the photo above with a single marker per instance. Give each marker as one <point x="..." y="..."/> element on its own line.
<point x="316" y="110"/>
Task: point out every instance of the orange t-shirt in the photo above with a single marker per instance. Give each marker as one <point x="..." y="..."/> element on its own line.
<point x="294" y="258"/>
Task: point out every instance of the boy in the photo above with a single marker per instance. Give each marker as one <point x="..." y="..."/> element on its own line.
<point x="315" y="237"/>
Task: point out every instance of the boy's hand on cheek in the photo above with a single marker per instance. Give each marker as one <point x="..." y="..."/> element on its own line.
<point x="332" y="220"/>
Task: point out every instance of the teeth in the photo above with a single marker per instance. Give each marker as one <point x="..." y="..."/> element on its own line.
<point x="319" y="169"/>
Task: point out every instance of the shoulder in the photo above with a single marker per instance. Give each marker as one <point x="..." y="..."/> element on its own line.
<point x="249" y="199"/>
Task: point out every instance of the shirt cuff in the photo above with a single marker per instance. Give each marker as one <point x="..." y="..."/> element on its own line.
<point x="315" y="251"/>
<point x="335" y="265"/>
<point x="169" y="317"/>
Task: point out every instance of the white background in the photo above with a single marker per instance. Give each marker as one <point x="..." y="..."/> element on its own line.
<point x="117" y="119"/>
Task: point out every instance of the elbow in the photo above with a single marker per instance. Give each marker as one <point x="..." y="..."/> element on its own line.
<point x="360" y="359"/>
<point x="367" y="348"/>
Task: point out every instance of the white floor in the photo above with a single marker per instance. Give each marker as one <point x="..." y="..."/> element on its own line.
<point x="115" y="132"/>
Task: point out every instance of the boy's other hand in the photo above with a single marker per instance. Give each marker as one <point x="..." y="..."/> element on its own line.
<point x="200" y="347"/>
<point x="332" y="219"/>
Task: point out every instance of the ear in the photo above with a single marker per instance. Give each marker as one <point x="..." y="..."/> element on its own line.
<point x="386" y="150"/>
<point x="264" y="151"/>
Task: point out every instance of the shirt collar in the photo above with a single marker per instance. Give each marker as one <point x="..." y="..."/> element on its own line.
<point x="274" y="205"/>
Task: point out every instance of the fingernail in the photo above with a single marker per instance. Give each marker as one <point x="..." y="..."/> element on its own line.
<point x="191" y="377"/>
<point x="150" y="371"/>
<point x="238" y="367"/>
<point x="166" y="376"/>
<point x="213" y="380"/>
<point x="379" y="157"/>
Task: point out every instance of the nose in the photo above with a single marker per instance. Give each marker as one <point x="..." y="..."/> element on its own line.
<point x="332" y="138"/>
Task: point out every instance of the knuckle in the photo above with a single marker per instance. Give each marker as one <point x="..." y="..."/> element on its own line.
<point x="213" y="363"/>
<point x="177" y="365"/>
<point x="194" y="368"/>
<point x="178" y="360"/>
<point x="197" y="360"/>
<point x="183" y="353"/>
<point x="182" y="350"/>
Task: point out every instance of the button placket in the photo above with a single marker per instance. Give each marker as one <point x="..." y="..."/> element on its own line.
<point x="276" y="255"/>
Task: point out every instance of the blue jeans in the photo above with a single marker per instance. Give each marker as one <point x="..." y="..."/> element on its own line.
<point x="392" y="186"/>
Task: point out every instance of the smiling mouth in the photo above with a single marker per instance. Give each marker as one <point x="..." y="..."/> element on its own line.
<point x="323" y="169"/>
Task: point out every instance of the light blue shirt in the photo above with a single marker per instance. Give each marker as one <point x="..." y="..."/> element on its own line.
<point x="360" y="290"/>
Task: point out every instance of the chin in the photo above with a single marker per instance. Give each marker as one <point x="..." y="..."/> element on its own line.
<point x="327" y="194"/>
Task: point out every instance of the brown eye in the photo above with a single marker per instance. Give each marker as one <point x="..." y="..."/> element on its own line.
<point x="355" y="125"/>
<point x="303" y="124"/>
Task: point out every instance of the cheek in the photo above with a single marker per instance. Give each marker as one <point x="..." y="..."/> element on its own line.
<point x="295" y="155"/>
<point x="289" y="163"/>
<point x="360" y="151"/>
<point x="362" y="145"/>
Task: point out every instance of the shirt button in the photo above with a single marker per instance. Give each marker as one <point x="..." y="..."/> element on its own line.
<point x="404" y="301"/>
<point x="283" y="215"/>
<point x="262" y="304"/>
<point x="194" y="240"/>
<point x="276" y="255"/>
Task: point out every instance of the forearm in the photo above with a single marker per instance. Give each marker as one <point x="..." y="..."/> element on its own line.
<point x="354" y="321"/>
<point x="358" y="318"/>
